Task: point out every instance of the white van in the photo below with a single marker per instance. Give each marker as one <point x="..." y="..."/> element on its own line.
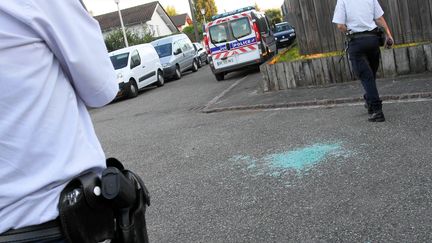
<point x="136" y="67"/>
<point x="238" y="39"/>
<point x="177" y="55"/>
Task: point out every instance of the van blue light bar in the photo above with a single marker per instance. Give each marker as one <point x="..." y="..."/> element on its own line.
<point x="241" y="10"/>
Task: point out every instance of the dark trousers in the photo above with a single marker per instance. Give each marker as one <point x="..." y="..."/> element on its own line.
<point x="364" y="54"/>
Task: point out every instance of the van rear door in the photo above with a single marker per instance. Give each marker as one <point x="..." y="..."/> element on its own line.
<point x="233" y="42"/>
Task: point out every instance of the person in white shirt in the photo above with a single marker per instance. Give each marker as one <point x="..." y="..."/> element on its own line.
<point x="359" y="19"/>
<point x="53" y="65"/>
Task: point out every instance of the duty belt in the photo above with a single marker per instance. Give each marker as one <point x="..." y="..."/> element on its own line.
<point x="46" y="231"/>
<point x="362" y="34"/>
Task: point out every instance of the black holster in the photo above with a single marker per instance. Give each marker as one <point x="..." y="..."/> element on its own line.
<point x="94" y="209"/>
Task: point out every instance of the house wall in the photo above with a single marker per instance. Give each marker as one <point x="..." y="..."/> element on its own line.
<point x="158" y="26"/>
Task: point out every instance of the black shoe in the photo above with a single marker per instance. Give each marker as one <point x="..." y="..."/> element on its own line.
<point x="369" y="108"/>
<point x="377" y="117"/>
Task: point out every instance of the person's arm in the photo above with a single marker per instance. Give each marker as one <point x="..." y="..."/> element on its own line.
<point x="383" y="23"/>
<point x="339" y="17"/>
<point x="380" y="21"/>
<point x="76" y="41"/>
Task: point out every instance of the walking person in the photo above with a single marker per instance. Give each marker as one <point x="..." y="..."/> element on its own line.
<point x="53" y="65"/>
<point x="359" y="20"/>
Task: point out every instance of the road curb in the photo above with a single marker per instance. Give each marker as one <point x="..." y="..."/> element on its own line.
<point x="318" y="103"/>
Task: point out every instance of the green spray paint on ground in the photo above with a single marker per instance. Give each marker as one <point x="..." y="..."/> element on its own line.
<point x="298" y="160"/>
<point x="301" y="159"/>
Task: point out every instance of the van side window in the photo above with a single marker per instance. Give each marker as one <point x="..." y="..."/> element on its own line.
<point x="262" y="23"/>
<point x="176" y="46"/>
<point x="135" y="59"/>
<point x="186" y="45"/>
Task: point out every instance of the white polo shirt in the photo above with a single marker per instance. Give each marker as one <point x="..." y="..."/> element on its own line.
<point x="53" y="63"/>
<point x="357" y="15"/>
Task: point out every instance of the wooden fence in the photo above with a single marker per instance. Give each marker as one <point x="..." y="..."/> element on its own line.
<point x="330" y="70"/>
<point x="409" y="20"/>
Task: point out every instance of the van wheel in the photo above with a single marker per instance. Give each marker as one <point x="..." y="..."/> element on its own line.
<point x="199" y="62"/>
<point x="177" y="74"/>
<point x="133" y="89"/>
<point x="160" y="78"/>
<point x="220" y="76"/>
<point x="194" y="66"/>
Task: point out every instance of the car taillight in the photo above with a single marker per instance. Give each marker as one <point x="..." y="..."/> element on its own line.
<point x="206" y="43"/>
<point x="257" y="33"/>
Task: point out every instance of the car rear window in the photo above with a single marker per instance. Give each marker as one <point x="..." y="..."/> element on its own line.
<point x="120" y="61"/>
<point x="240" y="28"/>
<point x="219" y="33"/>
<point x="164" y="50"/>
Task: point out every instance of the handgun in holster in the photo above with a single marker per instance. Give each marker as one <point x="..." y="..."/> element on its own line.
<point x="129" y="198"/>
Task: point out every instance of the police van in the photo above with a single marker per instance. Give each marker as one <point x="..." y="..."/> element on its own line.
<point x="238" y="39"/>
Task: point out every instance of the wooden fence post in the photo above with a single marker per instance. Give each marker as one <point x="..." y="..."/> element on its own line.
<point x="388" y="63"/>
<point x="428" y="54"/>
<point x="417" y="59"/>
<point x="402" y="61"/>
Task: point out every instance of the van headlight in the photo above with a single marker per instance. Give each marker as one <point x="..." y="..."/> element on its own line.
<point x="120" y="78"/>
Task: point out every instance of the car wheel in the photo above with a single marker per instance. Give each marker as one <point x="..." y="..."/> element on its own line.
<point x="194" y="66"/>
<point x="207" y="61"/>
<point x="133" y="89"/>
<point x="177" y="74"/>
<point x="220" y="76"/>
<point x="199" y="63"/>
<point x="161" y="80"/>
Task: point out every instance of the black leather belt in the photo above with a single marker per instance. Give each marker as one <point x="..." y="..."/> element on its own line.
<point x="363" y="34"/>
<point x="47" y="231"/>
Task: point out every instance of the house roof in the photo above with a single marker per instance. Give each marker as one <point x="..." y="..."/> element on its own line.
<point x="131" y="16"/>
<point x="180" y="20"/>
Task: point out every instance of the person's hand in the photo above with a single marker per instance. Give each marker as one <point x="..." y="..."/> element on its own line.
<point x="389" y="42"/>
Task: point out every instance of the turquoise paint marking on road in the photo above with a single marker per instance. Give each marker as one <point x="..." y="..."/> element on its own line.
<point x="301" y="159"/>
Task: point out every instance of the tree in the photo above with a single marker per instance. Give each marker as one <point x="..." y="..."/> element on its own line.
<point x="257" y="7"/>
<point x="274" y="15"/>
<point x="189" y="31"/>
<point x="115" y="40"/>
<point x="210" y="9"/>
<point x="171" y="11"/>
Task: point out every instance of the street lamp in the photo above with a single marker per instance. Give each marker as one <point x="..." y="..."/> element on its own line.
<point x="121" y="22"/>
<point x="203" y="14"/>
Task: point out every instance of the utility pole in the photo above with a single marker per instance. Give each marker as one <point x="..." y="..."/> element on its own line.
<point x="192" y="9"/>
<point x="121" y="22"/>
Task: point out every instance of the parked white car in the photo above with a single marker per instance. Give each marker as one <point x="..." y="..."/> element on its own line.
<point x="136" y="67"/>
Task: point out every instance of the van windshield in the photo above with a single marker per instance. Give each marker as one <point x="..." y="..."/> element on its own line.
<point x="164" y="50"/>
<point x="120" y="61"/>
<point x="240" y="27"/>
<point x="219" y="33"/>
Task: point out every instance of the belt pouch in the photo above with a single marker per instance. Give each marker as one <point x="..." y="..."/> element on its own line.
<point x="85" y="217"/>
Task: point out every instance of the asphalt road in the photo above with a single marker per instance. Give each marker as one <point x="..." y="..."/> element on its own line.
<point x="307" y="175"/>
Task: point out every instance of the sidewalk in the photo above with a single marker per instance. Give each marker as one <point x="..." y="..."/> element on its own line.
<point x="244" y="95"/>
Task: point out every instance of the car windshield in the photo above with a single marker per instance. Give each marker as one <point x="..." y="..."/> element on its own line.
<point x="240" y="27"/>
<point x="282" y="27"/>
<point x="164" y="50"/>
<point x="120" y="61"/>
<point x="219" y="33"/>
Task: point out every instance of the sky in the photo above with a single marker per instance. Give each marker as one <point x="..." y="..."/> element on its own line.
<point x="98" y="7"/>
